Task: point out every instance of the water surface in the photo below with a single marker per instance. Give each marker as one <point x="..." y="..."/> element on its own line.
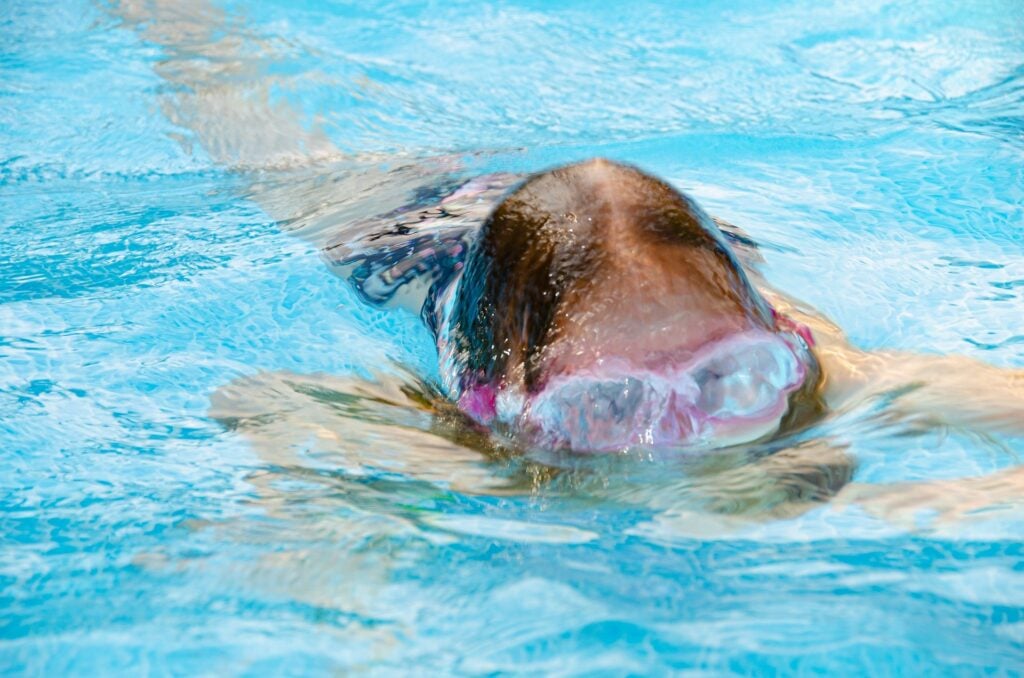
<point x="872" y="148"/>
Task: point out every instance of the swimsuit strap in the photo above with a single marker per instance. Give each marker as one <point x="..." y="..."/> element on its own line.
<point x="420" y="251"/>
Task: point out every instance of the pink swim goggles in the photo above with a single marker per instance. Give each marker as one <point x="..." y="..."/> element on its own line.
<point x="729" y="392"/>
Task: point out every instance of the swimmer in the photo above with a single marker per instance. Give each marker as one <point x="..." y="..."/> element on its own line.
<point x="590" y="308"/>
<point x="597" y="309"/>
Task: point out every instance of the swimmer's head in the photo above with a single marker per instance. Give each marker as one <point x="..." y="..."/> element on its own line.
<point x="600" y="308"/>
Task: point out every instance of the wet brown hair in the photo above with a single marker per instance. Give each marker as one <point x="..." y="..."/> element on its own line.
<point x="557" y="232"/>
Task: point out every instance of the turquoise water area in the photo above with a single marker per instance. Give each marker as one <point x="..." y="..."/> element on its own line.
<point x="873" y="149"/>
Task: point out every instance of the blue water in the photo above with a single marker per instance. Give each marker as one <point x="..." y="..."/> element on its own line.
<point x="873" y="148"/>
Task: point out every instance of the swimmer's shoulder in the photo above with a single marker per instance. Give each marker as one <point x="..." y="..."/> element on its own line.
<point x="845" y="369"/>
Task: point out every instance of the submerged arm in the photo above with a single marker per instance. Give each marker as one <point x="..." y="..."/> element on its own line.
<point x="960" y="391"/>
<point x="939" y="390"/>
<point x="365" y="212"/>
<point x="953" y="391"/>
<point x="220" y="87"/>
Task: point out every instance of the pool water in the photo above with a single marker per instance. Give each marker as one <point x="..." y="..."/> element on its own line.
<point x="872" y="148"/>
